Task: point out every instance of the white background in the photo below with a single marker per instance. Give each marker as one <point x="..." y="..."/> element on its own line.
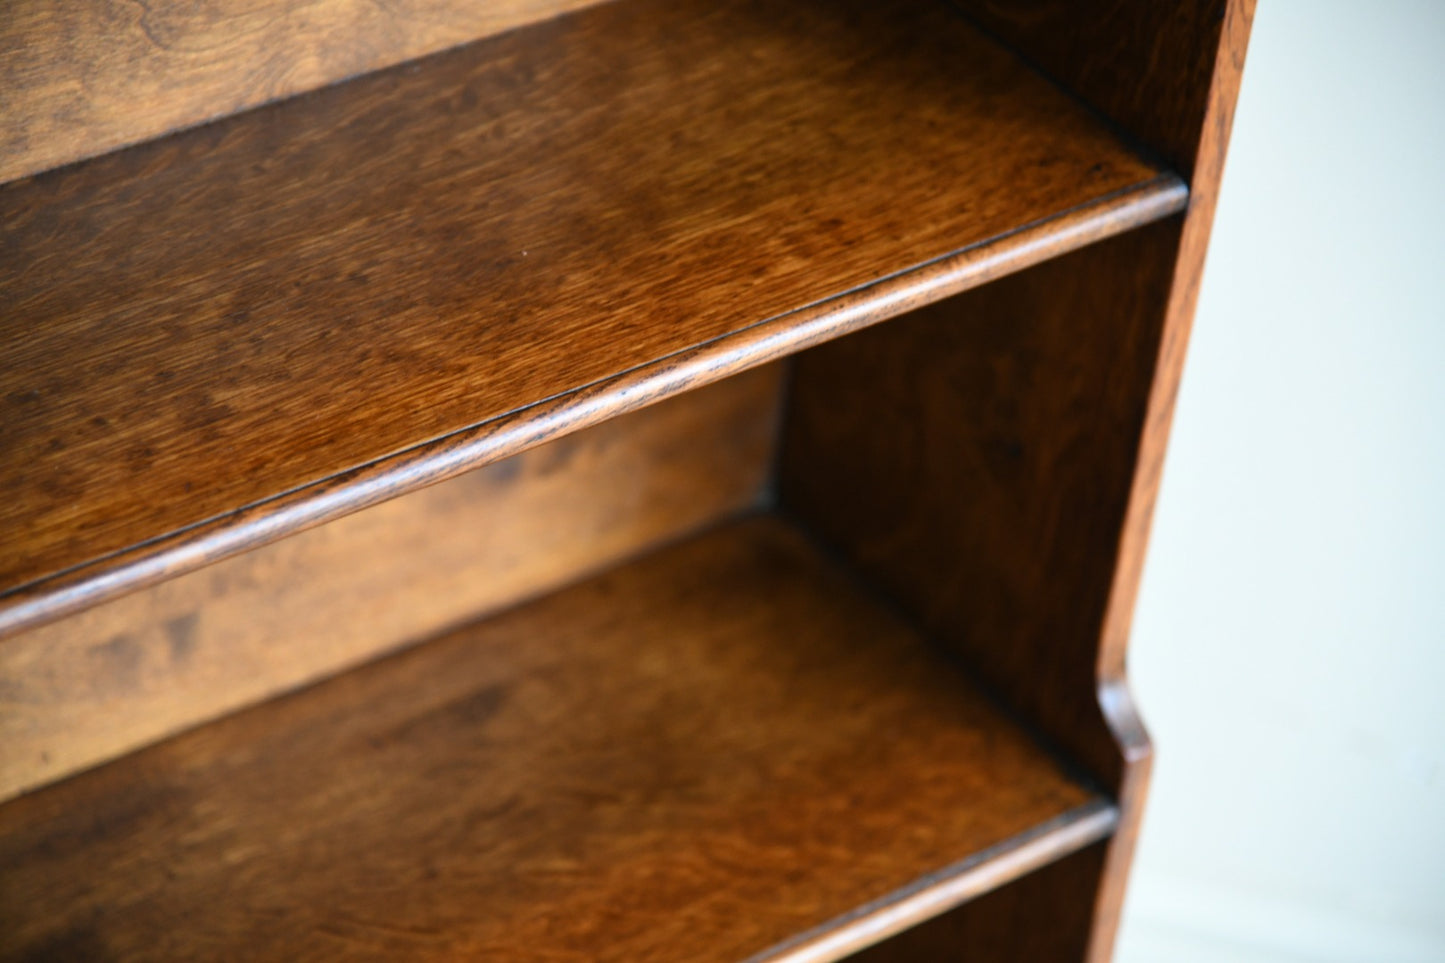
<point x="1289" y="648"/>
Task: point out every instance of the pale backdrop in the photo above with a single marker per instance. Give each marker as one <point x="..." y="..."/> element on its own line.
<point x="1289" y="647"/>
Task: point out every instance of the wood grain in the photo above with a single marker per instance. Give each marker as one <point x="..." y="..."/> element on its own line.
<point x="94" y="686"/>
<point x="82" y="77"/>
<point x="975" y="457"/>
<point x="1147" y="64"/>
<point x="1207" y="168"/>
<point x="1026" y="930"/>
<point x="693" y="757"/>
<point x="1038" y="918"/>
<point x="364" y="279"/>
<point x="1017" y="531"/>
<point x="184" y="550"/>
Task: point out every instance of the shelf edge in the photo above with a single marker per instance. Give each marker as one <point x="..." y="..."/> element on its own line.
<point x="951" y="887"/>
<point x="251" y="526"/>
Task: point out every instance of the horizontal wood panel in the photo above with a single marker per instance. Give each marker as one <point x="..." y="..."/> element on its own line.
<point x="82" y="77"/>
<point x="357" y="276"/>
<point x="694" y="757"/>
<point x="127" y="673"/>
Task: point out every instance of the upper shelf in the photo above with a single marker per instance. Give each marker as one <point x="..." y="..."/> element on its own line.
<point x="213" y="339"/>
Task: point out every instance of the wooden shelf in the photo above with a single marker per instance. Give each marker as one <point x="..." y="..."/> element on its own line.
<point x="215" y="339"/>
<point x="724" y="751"/>
<point x="419" y="541"/>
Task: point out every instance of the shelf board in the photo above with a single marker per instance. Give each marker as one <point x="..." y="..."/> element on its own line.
<point x="696" y="756"/>
<point x="217" y="338"/>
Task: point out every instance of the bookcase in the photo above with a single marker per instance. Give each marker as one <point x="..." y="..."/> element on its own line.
<point x="548" y="480"/>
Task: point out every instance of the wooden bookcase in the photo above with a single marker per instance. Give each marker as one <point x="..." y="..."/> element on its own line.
<point x="549" y="480"/>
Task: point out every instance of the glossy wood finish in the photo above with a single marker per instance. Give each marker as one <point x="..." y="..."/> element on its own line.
<point x="697" y="756"/>
<point x="82" y="77"/>
<point x="91" y="687"/>
<point x="217" y="339"/>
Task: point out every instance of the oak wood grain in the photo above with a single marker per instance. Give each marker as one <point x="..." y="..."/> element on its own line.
<point x="1017" y="532"/>
<point x="1206" y="167"/>
<point x="1046" y="917"/>
<point x="696" y="756"/>
<point x="82" y="77"/>
<point x="217" y="338"/>
<point x="1149" y="65"/>
<point x="974" y="458"/>
<point x="88" y="688"/>
<point x="1038" y="918"/>
<point x="183" y="550"/>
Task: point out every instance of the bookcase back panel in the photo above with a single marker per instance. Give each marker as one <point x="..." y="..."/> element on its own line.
<point x="83" y="77"/>
<point x="96" y="685"/>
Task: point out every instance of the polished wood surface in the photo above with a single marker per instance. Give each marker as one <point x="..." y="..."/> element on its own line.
<point x="169" y="556"/>
<point x="1206" y="167"/>
<point x="82" y="77"/>
<point x="758" y="743"/>
<point x="974" y="459"/>
<point x="697" y="756"/>
<point x="124" y="674"/>
<point x="1010" y="472"/>
<point x="218" y="338"/>
<point x="1044" y="917"/>
<point x="1149" y="65"/>
<point x="1019" y="860"/>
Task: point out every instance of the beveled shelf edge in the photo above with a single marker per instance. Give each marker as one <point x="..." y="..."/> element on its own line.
<point x="951" y="887"/>
<point x="432" y="461"/>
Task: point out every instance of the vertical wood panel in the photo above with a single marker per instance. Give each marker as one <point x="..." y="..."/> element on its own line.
<point x="975" y="458"/>
<point x="1169" y="73"/>
<point x="1205" y="164"/>
<point x="81" y="77"/>
<point x="1147" y="64"/>
<point x="108" y="680"/>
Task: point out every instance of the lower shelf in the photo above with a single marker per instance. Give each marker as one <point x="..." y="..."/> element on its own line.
<point x="724" y="751"/>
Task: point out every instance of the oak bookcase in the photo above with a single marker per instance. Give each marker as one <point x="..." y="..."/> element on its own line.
<point x="545" y="480"/>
